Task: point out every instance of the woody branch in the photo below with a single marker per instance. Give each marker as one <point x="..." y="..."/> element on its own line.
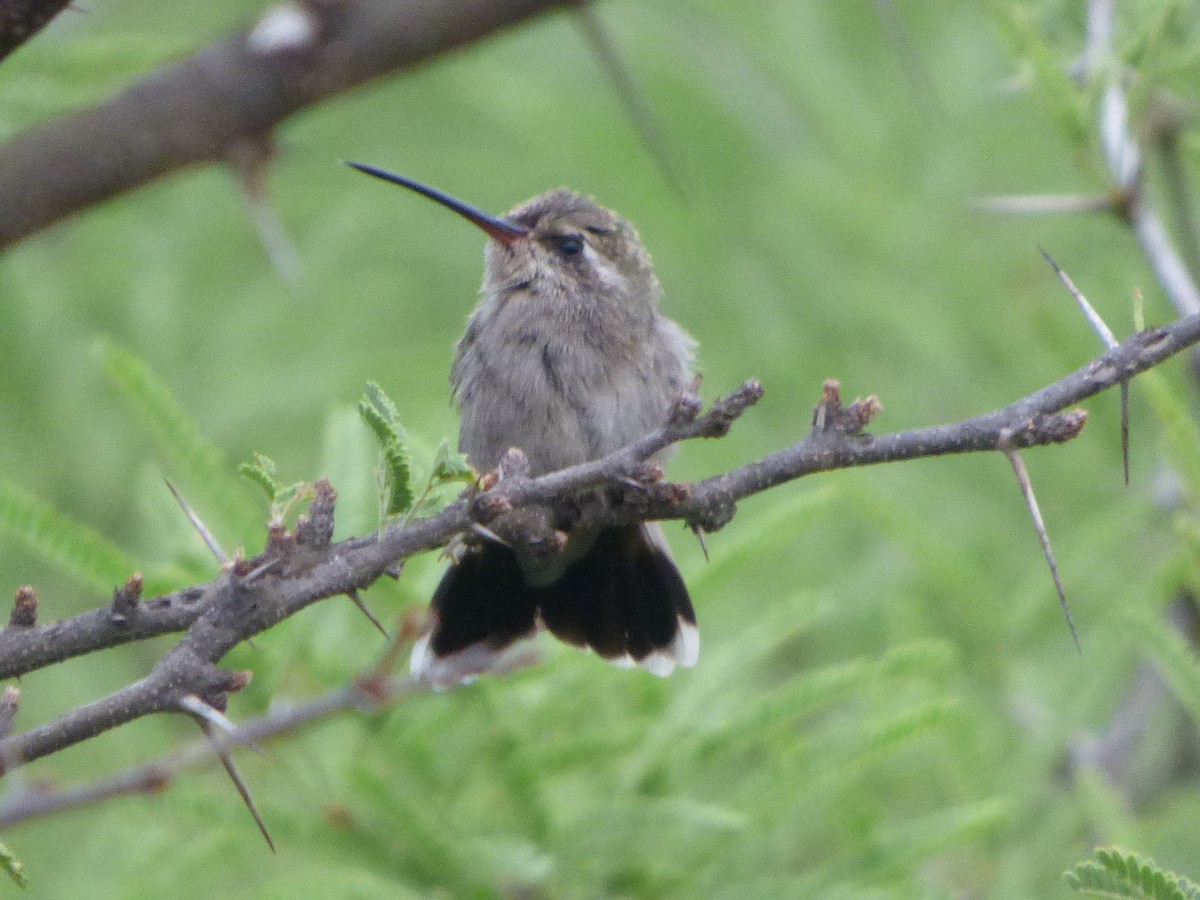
<point x="224" y="102"/>
<point x="300" y="568"/>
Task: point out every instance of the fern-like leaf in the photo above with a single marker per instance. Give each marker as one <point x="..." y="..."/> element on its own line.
<point x="62" y="540"/>
<point x="382" y="402"/>
<point x="450" y="466"/>
<point x="201" y="462"/>
<point x="174" y="429"/>
<point x="283" y="498"/>
<point x="1116" y="873"/>
<point x="399" y="472"/>
<point x="378" y="412"/>
<point x="262" y="472"/>
<point x="1174" y="656"/>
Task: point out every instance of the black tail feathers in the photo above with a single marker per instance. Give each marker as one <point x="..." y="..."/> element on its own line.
<point x="624" y="598"/>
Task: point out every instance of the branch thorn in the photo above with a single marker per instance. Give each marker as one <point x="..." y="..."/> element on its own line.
<point x="250" y="158"/>
<point x="199" y="525"/>
<point x="488" y="535"/>
<point x="1098" y="324"/>
<point x="1110" y="341"/>
<point x="206" y="712"/>
<point x="1039" y="525"/>
<point x="1038" y="204"/>
<point x="222" y="751"/>
<point x="260" y="570"/>
<point x="366" y="610"/>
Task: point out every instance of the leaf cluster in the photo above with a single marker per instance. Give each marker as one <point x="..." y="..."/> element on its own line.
<point x="1117" y="873"/>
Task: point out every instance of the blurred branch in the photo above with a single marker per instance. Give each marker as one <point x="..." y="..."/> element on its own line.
<point x="202" y="109"/>
<point x="1114" y="751"/>
<point x="300" y="568"/>
<point x="22" y="19"/>
<point x="641" y="113"/>
<point x="1040" y="204"/>
<point x="155" y="776"/>
<point x="1123" y="158"/>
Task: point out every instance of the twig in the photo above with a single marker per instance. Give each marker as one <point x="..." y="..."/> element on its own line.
<point x="1101" y="27"/>
<point x="1168" y="129"/>
<point x="10" y="702"/>
<point x="28" y="649"/>
<point x="1169" y="269"/>
<point x="1123" y="157"/>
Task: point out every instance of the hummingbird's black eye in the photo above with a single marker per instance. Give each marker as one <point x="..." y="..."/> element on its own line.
<point x="569" y="244"/>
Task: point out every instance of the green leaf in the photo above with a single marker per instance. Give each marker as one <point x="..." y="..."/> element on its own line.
<point x="282" y="497"/>
<point x="376" y="422"/>
<point x="1174" y="657"/>
<point x="262" y="473"/>
<point x="12" y="866"/>
<point x="200" y="461"/>
<point x="379" y="413"/>
<point x="450" y="466"/>
<point x="1178" y="424"/>
<point x="382" y="402"/>
<point x="62" y="540"/>
<point x="399" y="471"/>
<point x="171" y="426"/>
<point x="1120" y="874"/>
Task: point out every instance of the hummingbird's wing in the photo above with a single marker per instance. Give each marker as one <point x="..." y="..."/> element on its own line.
<point x="624" y="598"/>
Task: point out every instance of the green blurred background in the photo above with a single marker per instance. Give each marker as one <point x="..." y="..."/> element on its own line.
<point x="886" y="690"/>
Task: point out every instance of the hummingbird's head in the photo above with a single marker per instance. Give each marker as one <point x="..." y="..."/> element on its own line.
<point x="559" y="246"/>
<point x="573" y="246"/>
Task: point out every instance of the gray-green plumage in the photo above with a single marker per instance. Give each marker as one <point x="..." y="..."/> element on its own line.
<point x="567" y="357"/>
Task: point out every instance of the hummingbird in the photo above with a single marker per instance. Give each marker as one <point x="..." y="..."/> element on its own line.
<point x="567" y="357"/>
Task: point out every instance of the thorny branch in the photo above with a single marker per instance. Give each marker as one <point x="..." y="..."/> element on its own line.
<point x="1175" y="270"/>
<point x="296" y="570"/>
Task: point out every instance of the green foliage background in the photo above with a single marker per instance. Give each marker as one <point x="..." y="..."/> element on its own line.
<point x="886" y="688"/>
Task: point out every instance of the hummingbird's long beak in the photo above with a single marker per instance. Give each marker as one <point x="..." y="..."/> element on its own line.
<point x="501" y="229"/>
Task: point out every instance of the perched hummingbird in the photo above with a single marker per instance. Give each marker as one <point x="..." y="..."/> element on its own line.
<point x="568" y="358"/>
